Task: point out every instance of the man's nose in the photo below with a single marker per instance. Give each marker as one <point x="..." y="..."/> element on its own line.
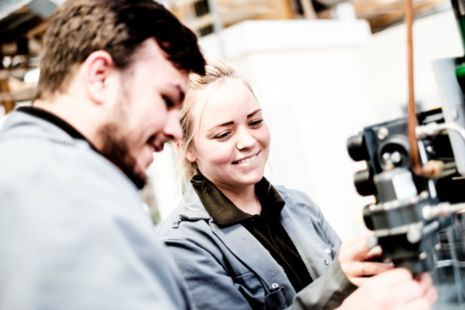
<point x="173" y="130"/>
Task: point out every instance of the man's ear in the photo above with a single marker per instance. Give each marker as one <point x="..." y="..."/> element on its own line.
<point x="97" y="68"/>
<point x="190" y="155"/>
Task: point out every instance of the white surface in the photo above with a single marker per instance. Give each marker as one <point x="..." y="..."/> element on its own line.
<point x="32" y="76"/>
<point x="162" y="172"/>
<point x="385" y="59"/>
<point x="284" y="35"/>
<point x="2" y="116"/>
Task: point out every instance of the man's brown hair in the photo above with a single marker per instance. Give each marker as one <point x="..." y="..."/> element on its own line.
<point x="80" y="27"/>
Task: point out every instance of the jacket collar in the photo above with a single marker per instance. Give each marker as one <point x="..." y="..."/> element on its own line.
<point x="192" y="206"/>
<point x="223" y="211"/>
<point x="22" y="124"/>
<point x="57" y="121"/>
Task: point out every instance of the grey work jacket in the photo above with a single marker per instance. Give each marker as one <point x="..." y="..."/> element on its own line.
<point x="227" y="268"/>
<point x="73" y="234"/>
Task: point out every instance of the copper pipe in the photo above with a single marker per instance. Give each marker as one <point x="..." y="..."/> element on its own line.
<point x="412" y="115"/>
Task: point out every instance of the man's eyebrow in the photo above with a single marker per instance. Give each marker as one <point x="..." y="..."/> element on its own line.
<point x="181" y="94"/>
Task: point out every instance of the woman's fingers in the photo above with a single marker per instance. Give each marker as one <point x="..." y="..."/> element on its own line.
<point x="364" y="269"/>
<point x="431" y="295"/>
<point x="392" y="278"/>
<point x="425" y="281"/>
<point x="355" y="249"/>
<point x="429" y="291"/>
<point x="374" y="253"/>
<point x="407" y="292"/>
<point x="418" y="304"/>
<point x="392" y="290"/>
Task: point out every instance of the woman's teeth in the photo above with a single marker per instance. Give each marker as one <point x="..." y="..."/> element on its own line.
<point x="247" y="160"/>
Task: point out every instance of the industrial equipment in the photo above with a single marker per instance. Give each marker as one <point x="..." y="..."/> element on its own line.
<point x="416" y="171"/>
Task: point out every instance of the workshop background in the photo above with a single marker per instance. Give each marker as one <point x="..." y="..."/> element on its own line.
<point x="322" y="69"/>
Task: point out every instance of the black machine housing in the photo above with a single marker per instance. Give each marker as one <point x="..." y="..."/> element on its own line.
<point x="407" y="238"/>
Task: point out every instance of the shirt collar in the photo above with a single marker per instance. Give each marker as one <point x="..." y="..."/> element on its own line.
<point x="224" y="212"/>
<point x="55" y="120"/>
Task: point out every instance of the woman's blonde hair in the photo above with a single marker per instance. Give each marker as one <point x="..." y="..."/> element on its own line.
<point x="199" y="90"/>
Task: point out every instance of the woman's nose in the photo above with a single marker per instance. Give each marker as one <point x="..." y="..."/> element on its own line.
<point x="245" y="140"/>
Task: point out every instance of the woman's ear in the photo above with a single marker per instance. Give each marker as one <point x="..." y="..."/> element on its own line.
<point x="190" y="155"/>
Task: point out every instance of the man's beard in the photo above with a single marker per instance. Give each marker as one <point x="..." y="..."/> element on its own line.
<point x="115" y="149"/>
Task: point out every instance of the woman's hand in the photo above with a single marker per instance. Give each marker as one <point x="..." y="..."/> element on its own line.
<point x="354" y="257"/>
<point x="394" y="289"/>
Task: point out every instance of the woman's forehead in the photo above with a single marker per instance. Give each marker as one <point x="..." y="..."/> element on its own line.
<point x="229" y="100"/>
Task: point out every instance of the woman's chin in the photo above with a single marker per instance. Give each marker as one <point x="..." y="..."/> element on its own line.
<point x="250" y="179"/>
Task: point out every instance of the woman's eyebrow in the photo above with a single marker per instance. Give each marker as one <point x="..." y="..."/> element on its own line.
<point x="253" y="113"/>
<point x="221" y="125"/>
<point x="232" y="122"/>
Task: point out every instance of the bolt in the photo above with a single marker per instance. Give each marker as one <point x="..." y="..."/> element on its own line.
<point x="388" y="165"/>
<point x="424" y="195"/>
<point x="413" y="235"/>
<point x="383" y="133"/>
<point x="372" y="242"/>
<point x="422" y="256"/>
<point x="413" y="200"/>
<point x="396" y="157"/>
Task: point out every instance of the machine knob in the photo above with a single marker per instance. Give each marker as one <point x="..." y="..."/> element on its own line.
<point x="364" y="184"/>
<point x="357" y="148"/>
<point x="367" y="218"/>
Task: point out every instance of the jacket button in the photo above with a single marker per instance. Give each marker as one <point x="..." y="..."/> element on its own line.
<point x="325" y="261"/>
<point x="274" y="285"/>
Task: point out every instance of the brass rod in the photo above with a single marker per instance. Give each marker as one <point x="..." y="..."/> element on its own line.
<point x="412" y="115"/>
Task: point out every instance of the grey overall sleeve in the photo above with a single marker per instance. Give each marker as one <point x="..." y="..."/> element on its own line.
<point x="325" y="293"/>
<point x="74" y="237"/>
<point x="330" y="289"/>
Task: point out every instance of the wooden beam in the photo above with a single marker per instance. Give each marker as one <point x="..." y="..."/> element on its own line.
<point x="200" y="22"/>
<point x="9" y="99"/>
<point x="8" y="103"/>
<point x="307" y="7"/>
<point x="38" y="30"/>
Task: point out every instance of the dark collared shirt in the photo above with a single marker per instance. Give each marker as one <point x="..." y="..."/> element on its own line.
<point x="55" y="120"/>
<point x="266" y="227"/>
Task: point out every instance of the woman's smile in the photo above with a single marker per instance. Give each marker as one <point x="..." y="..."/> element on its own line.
<point x="246" y="160"/>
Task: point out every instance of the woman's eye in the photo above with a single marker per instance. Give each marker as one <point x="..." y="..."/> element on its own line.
<point x="222" y="136"/>
<point x="256" y="124"/>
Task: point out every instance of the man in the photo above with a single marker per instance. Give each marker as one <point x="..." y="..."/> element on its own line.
<point x="73" y="234"/>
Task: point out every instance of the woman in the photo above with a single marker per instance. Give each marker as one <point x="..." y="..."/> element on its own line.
<point x="240" y="242"/>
